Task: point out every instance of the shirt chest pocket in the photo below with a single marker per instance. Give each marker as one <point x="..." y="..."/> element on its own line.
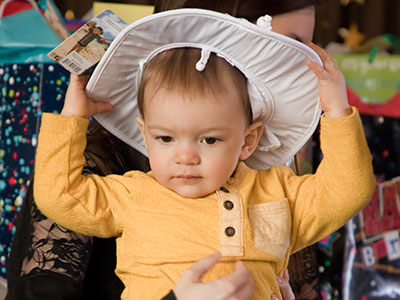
<point x="271" y="224"/>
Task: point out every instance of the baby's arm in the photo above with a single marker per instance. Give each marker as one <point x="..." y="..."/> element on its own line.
<point x="344" y="181"/>
<point x="82" y="203"/>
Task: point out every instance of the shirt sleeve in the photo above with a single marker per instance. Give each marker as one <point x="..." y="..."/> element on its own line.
<point x="342" y="185"/>
<point x="89" y="204"/>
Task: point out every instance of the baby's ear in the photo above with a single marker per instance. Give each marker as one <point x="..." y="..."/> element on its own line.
<point x="140" y="122"/>
<point x="253" y="135"/>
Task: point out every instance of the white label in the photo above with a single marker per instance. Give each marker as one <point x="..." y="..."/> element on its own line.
<point x="75" y="63"/>
<point x="368" y="256"/>
<point x="392" y="242"/>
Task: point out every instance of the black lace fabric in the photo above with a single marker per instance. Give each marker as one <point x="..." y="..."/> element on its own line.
<point x="54" y="248"/>
<point x="46" y="261"/>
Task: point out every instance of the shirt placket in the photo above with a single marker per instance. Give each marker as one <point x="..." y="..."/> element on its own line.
<point x="231" y="214"/>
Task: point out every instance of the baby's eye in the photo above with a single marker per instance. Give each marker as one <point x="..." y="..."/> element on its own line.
<point x="209" y="140"/>
<point x="165" y="139"/>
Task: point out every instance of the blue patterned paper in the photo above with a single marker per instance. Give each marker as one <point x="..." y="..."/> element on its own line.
<point x="26" y="91"/>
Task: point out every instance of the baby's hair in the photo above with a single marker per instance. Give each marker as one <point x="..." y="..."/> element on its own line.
<point x="175" y="69"/>
<point x="101" y="29"/>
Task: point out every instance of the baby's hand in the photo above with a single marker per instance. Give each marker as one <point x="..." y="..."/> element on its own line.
<point x="77" y="104"/>
<point x="332" y="85"/>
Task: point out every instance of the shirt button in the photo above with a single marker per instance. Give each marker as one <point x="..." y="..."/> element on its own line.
<point x="230" y="231"/>
<point x="228" y="205"/>
<point x="225" y="190"/>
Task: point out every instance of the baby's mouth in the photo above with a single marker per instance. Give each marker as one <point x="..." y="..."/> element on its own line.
<point x="187" y="177"/>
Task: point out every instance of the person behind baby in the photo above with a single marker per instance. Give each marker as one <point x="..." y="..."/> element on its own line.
<point x="198" y="127"/>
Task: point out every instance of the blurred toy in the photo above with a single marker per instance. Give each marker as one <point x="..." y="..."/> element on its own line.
<point x="352" y="37"/>
<point x="72" y="23"/>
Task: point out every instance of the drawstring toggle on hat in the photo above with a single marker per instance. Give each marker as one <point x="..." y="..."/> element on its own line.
<point x="270" y="141"/>
<point x="265" y="22"/>
<point x="201" y="64"/>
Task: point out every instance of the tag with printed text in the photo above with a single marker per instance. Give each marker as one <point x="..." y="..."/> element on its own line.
<point x="81" y="51"/>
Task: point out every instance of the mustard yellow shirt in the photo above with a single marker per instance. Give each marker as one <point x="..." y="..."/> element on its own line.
<point x="259" y="217"/>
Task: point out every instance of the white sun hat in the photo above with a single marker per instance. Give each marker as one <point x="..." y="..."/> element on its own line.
<point x="283" y="90"/>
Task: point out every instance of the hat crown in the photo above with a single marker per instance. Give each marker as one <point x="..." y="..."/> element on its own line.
<point x="283" y="91"/>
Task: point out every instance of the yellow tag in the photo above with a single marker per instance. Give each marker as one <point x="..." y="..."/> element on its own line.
<point x="127" y="12"/>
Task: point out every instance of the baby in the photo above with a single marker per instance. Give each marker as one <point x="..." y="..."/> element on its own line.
<point x="200" y="196"/>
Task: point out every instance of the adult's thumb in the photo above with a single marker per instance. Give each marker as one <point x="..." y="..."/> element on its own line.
<point x="204" y="265"/>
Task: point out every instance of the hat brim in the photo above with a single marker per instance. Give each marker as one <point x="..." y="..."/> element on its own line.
<point x="283" y="90"/>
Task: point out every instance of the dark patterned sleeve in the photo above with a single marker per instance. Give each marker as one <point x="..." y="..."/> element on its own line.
<point x="170" y="296"/>
<point x="303" y="270"/>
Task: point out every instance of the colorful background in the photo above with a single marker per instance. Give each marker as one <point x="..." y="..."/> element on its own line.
<point x="27" y="90"/>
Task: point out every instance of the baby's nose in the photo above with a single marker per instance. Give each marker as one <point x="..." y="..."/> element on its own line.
<point x="187" y="155"/>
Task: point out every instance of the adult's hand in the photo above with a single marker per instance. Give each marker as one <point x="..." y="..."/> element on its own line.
<point x="237" y="286"/>
<point x="284" y="286"/>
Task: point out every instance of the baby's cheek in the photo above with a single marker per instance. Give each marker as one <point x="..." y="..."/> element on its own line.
<point x="221" y="171"/>
<point x="158" y="166"/>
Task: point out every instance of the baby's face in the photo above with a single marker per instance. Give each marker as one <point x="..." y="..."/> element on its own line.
<point x="194" y="144"/>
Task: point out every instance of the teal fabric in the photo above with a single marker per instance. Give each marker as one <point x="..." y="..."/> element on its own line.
<point x="26" y="37"/>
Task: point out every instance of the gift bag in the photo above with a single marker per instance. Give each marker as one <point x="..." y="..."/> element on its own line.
<point x="372" y="260"/>
<point x="372" y="264"/>
<point x="25" y="36"/>
<point x="29" y="86"/>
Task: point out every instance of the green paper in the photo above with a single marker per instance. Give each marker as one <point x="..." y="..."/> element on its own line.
<point x="375" y="82"/>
